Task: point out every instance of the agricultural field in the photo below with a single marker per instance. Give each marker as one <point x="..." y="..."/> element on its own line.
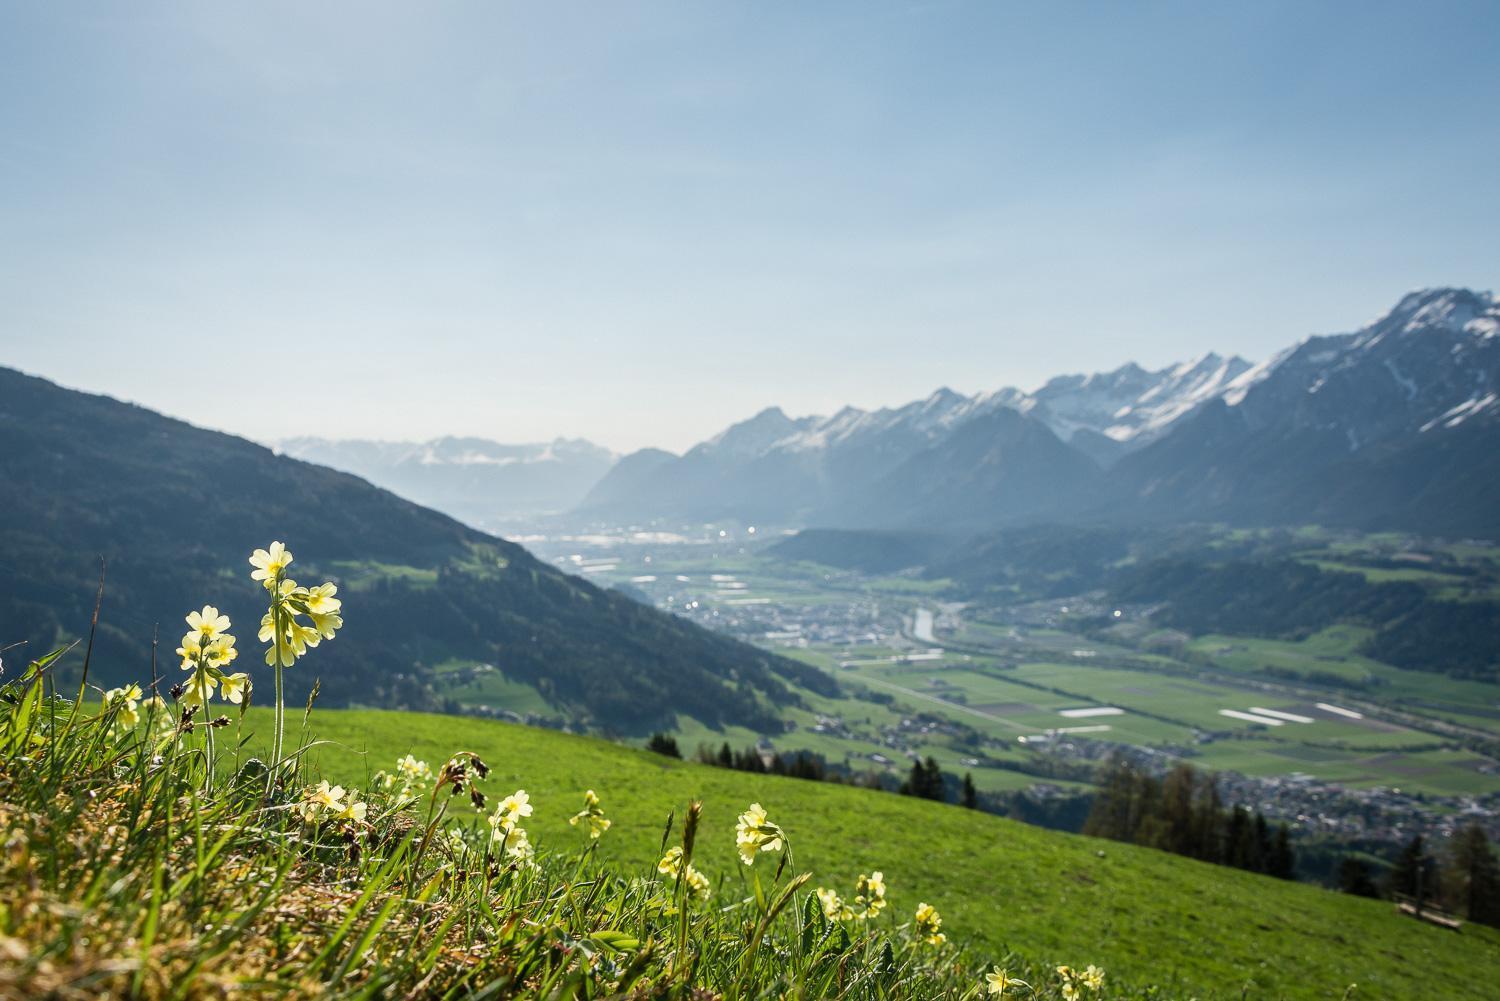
<point x="1056" y="897"/>
<point x="1001" y="681"/>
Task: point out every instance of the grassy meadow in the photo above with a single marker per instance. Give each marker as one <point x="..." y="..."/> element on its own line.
<point x="1149" y="918"/>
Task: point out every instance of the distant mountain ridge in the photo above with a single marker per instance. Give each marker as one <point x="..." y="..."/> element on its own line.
<point x="1392" y="425"/>
<point x="481" y="482"/>
<point x="1395" y="425"/>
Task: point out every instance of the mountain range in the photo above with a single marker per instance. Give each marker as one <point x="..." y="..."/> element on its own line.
<point x="174" y="510"/>
<point x="1395" y="425"/>
<point x="480" y="482"/>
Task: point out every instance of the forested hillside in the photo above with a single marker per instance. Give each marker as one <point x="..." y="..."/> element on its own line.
<point x="174" y="511"/>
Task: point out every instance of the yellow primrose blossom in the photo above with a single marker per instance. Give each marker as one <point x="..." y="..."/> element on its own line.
<point x="127" y="700"/>
<point x="513" y="840"/>
<point x="413" y="770"/>
<point x="1074" y="982"/>
<point x="754" y="833"/>
<point x="130" y="693"/>
<point x="505" y="824"/>
<point x="220" y="650"/>
<point x="320" y="799"/>
<point x="269" y="564"/>
<point x="200" y="689"/>
<point x="290" y="600"/>
<point x="198" y="651"/>
<point x="513" y="807"/>
<point x="234" y="686"/>
<point x="834" y="908"/>
<point x="354" y="810"/>
<point x="207" y="624"/>
<point x="410" y="773"/>
<point x="928" y="923"/>
<point x="206" y="649"/>
<point x="997" y="982"/>
<point x="592" y="813"/>
<point x="698" y="883"/>
<point x="869" y="895"/>
<point x="323" y="609"/>
<point x="671" y="864"/>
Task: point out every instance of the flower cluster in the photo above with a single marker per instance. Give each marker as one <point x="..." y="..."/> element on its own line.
<point x="1075" y="982"/>
<point x="834" y="908"/>
<point x="131" y="707"/>
<point x="592" y="814"/>
<point x="671" y="866"/>
<point x="505" y="825"/>
<point x="282" y="625"/>
<point x="867" y="903"/>
<point x="402" y="784"/>
<point x="326" y="802"/>
<point x="928" y="924"/>
<point x="754" y="833"/>
<point x="207" y="648"/>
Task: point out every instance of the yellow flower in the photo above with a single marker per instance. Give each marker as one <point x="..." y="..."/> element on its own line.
<point x="928" y="921"/>
<point x="355" y="810"/>
<point x="269" y="564"/>
<point x="1093" y="977"/>
<point x="413" y="770"/>
<point x="754" y="833"/>
<point x="289" y="600"/>
<point x="320" y="799"/>
<point x="327" y="796"/>
<point x="698" y="883"/>
<point x="234" y="687"/>
<point x="592" y="813"/>
<point x="200" y="689"/>
<point x="833" y="905"/>
<point x="869" y="895"/>
<point x="513" y="807"/>
<point x="207" y="624"/>
<point x="323" y="609"/>
<point x="220" y="650"/>
<point x="997" y="982"/>
<point x="513" y="840"/>
<point x="127" y="701"/>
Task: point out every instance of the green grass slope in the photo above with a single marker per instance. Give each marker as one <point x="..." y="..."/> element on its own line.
<point x="1147" y="917"/>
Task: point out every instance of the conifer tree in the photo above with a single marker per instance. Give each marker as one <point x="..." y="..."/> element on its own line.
<point x="1282" y="861"/>
<point x="1406" y="876"/>
<point x="1354" y="877"/>
<point x="1239" y="839"/>
<point x="1474" y="876"/>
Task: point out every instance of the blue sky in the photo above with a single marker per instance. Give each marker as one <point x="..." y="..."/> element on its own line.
<point x="639" y="222"/>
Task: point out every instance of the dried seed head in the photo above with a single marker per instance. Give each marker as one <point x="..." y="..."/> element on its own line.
<point x="480" y="768"/>
<point x="477" y="798"/>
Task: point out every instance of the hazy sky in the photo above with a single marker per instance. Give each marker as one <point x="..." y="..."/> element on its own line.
<point x="639" y="222"/>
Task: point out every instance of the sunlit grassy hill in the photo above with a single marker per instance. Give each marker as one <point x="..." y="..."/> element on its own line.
<point x="1147" y="917"/>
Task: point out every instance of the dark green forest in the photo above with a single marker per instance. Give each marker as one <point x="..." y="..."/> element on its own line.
<point x="173" y="512"/>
